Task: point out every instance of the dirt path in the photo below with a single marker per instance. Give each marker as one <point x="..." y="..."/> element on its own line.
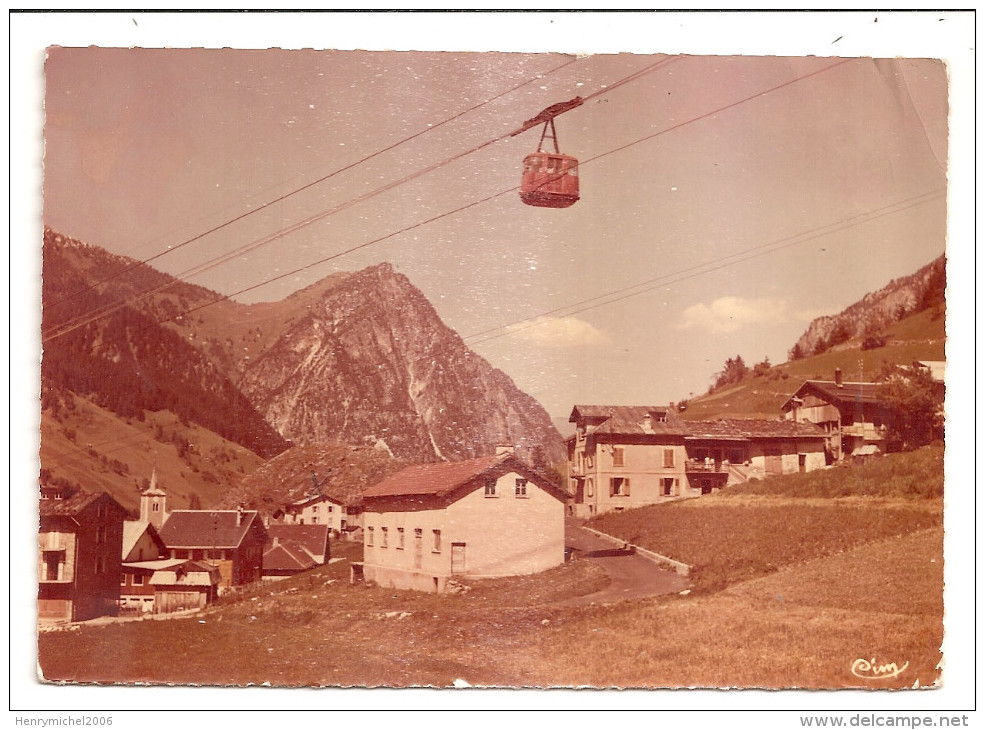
<point x="631" y="575"/>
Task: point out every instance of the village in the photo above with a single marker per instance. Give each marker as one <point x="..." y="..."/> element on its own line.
<point x="429" y="525"/>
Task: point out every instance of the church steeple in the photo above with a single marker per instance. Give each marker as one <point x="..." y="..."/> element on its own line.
<point x="153" y="503"/>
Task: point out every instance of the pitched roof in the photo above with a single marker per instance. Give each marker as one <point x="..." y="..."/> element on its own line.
<point x="313" y="497"/>
<point x="443" y="478"/>
<point x="936" y="368"/>
<point x="845" y="393"/>
<point x="745" y="429"/>
<point x="132" y="532"/>
<point x="311" y="538"/>
<point x="186" y="572"/>
<point x="287" y="556"/>
<point x="206" y="528"/>
<point x="628" y="420"/>
<point x="73" y="505"/>
<point x="159" y="564"/>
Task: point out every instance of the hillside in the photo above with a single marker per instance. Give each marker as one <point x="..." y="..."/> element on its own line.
<point x="337" y="470"/>
<point x="105" y="344"/>
<point x="87" y="446"/>
<point x="919" y="336"/>
<point x="877" y="311"/>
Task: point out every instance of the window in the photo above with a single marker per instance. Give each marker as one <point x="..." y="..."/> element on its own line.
<point x="590" y="487"/>
<point x="123" y="579"/>
<point x="668" y="458"/>
<point x="155" y="507"/>
<point x="53" y="562"/>
<point x="437" y="541"/>
<point x="314" y="508"/>
<point x="100" y="535"/>
<point x="314" y="520"/>
<point x="330" y="509"/>
<point x="667" y="486"/>
<point x="490" y="487"/>
<point x="138" y="579"/>
<point x="383" y="536"/>
<point x="400" y="538"/>
<point x="619" y="487"/>
<point x="369" y="536"/>
<point x="521" y="487"/>
<point x="661" y="417"/>
<point x="618" y="456"/>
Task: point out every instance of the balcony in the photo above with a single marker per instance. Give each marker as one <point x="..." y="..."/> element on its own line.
<point x="694" y="466"/>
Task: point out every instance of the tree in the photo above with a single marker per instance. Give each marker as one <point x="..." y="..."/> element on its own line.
<point x="735" y="371"/>
<point x="912" y="394"/>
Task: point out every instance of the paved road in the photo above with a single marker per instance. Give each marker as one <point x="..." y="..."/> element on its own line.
<point x="632" y="576"/>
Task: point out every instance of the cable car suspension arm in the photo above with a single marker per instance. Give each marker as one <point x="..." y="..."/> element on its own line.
<point x="548" y="114"/>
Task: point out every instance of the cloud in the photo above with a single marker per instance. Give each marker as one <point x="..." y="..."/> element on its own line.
<point x="728" y="314"/>
<point x="558" y="332"/>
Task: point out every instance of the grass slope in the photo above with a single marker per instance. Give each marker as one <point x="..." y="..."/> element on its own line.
<point x="99" y="451"/>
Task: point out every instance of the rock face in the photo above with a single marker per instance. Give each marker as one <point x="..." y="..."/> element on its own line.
<point x="876" y="311"/>
<point x="372" y="363"/>
<point x="360" y="358"/>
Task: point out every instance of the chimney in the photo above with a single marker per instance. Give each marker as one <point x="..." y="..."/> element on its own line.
<point x="647" y="423"/>
<point x="276" y="541"/>
<point x="239" y="517"/>
<point x="838" y="380"/>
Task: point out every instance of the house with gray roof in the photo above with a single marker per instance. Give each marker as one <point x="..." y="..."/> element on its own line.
<point x="630" y="456"/>
<point x="853" y="415"/>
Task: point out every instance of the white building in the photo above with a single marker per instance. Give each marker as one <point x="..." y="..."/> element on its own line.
<point x="482" y="518"/>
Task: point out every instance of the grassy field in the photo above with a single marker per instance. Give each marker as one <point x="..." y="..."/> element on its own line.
<point x="918" y="474"/>
<point x="790" y="591"/>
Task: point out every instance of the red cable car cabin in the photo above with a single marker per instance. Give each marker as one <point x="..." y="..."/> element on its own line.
<point x="550" y="180"/>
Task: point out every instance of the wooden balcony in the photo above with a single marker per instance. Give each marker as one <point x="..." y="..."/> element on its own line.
<point x="696" y="466"/>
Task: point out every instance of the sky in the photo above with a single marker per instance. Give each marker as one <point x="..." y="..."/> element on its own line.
<point x="762" y="171"/>
<point x="726" y="200"/>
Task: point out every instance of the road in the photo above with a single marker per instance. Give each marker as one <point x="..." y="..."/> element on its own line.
<point x="632" y="576"/>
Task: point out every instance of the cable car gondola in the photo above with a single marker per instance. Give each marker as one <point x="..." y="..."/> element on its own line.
<point x="549" y="179"/>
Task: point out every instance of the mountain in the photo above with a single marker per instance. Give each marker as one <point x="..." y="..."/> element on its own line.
<point x="371" y="362"/>
<point x="361" y="358"/>
<point x="876" y="311"/>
